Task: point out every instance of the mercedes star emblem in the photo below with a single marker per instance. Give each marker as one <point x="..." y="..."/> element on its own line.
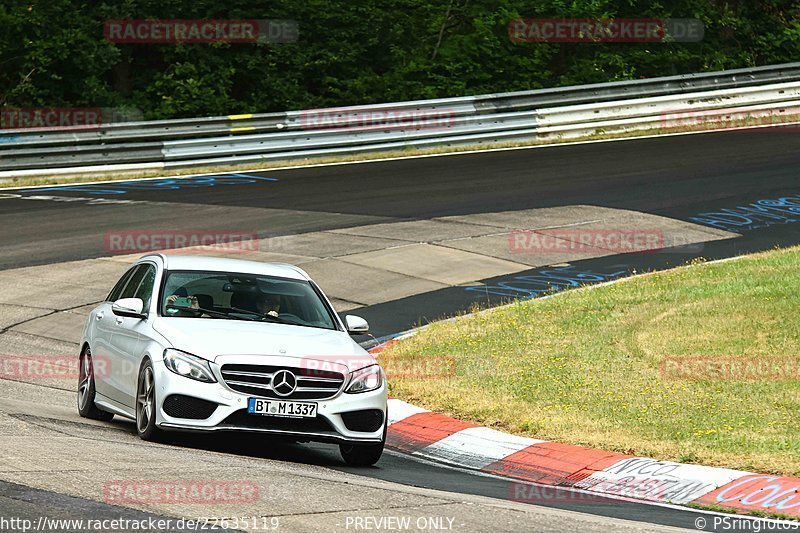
<point x="284" y="382"/>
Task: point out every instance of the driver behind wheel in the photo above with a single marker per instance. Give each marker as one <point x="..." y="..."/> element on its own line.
<point x="268" y="305"/>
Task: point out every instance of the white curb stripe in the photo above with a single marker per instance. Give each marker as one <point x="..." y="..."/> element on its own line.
<point x="400" y="410"/>
<point x="662" y="481"/>
<point x="476" y="447"/>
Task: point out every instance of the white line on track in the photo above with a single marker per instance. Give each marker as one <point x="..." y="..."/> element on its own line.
<point x="89" y="200"/>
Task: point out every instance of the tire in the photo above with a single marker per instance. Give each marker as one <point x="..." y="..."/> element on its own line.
<point x="355" y="454"/>
<point x="146" y="404"/>
<point x="86" y="389"/>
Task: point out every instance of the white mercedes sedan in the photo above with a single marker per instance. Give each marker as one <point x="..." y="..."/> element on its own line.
<point x="186" y="343"/>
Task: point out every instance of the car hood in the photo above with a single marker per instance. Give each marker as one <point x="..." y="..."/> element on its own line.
<point x="212" y="339"/>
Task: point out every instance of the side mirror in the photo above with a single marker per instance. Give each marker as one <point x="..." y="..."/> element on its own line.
<point x="130" y="307"/>
<point x="356" y="325"/>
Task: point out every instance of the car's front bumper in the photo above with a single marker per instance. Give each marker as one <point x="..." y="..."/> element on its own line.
<point x="231" y="414"/>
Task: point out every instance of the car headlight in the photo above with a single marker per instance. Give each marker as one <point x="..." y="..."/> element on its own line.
<point x="365" y="380"/>
<point x="188" y="365"/>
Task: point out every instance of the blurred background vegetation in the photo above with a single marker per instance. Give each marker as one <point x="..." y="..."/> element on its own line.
<point x="53" y="52"/>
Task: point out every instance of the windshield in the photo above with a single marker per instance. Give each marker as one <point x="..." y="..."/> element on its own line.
<point x="233" y="296"/>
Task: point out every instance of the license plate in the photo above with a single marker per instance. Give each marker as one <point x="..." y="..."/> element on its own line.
<point x="257" y="406"/>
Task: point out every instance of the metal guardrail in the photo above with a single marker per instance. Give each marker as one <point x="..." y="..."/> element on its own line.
<point x="565" y="112"/>
<point x="770" y="104"/>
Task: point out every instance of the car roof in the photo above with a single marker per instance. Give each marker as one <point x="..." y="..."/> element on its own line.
<point x="222" y="264"/>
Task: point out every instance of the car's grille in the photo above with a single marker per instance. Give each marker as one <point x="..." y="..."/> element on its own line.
<point x="243" y="419"/>
<point x="366" y="420"/>
<point x="312" y="384"/>
<point x="180" y="406"/>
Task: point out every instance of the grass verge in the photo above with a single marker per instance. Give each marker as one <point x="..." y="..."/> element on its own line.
<point x="597" y="367"/>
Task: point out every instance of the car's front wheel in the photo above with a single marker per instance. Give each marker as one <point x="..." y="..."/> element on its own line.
<point x="146" y="404"/>
<point x="86" y="389"/>
<point x="355" y="454"/>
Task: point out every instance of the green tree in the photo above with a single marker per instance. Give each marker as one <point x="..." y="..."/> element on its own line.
<point x="53" y="52"/>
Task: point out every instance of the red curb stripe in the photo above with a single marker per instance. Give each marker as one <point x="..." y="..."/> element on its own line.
<point x="421" y="430"/>
<point x="758" y="492"/>
<point x="553" y="463"/>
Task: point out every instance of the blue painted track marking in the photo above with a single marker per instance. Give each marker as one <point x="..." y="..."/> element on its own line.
<point x="759" y="214"/>
<point x="164" y="184"/>
<point x="546" y="282"/>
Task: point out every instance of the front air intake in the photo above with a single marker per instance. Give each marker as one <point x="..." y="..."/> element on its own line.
<point x="180" y="406"/>
<point x="367" y="420"/>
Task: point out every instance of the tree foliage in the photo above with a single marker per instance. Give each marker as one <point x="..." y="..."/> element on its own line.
<point x="53" y="52"/>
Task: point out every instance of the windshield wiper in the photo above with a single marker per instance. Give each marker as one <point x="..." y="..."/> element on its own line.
<point x="261" y="317"/>
<point x="211" y="312"/>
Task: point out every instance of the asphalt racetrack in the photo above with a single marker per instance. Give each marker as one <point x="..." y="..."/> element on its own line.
<point x="693" y="178"/>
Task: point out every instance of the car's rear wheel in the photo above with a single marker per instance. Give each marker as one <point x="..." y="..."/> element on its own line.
<point x="355" y="454"/>
<point x="146" y="404"/>
<point x="86" y="389"/>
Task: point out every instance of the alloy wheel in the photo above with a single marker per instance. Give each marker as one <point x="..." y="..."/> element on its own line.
<point x="145" y="398"/>
<point x="85" y="377"/>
